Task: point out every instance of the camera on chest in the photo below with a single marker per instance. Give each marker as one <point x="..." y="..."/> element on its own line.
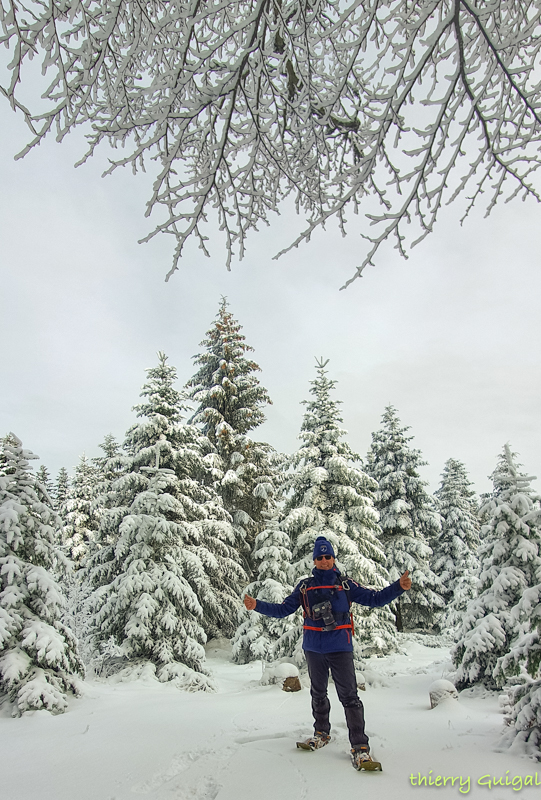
<point x="324" y="611"/>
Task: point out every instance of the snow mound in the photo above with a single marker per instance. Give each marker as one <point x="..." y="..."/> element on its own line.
<point x="277" y="673"/>
<point x="374" y="679"/>
<point x="441" y="690"/>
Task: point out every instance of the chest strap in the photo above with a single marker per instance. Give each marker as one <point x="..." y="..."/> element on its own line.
<point x="341" y="587"/>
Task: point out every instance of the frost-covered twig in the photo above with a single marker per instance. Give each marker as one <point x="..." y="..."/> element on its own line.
<point x="386" y="107"/>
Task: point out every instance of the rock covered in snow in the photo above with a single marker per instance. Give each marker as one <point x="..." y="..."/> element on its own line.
<point x="360" y="680"/>
<point x="441" y="690"/>
<point x="279" y="673"/>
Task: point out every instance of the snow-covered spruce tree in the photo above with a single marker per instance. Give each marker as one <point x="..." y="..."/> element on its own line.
<point x="256" y="636"/>
<point x="524" y="661"/>
<point x="407" y="520"/>
<point x="166" y="570"/>
<point x="328" y="494"/>
<point x="108" y="466"/>
<point x="144" y="598"/>
<point x="229" y="401"/>
<point x="8" y="439"/>
<point x="76" y="536"/>
<point x="39" y="661"/>
<point x="81" y="520"/>
<point x="455" y="559"/>
<point x="111" y="448"/>
<point x="81" y="517"/>
<point x="43" y="477"/>
<point x="81" y="504"/>
<point x="216" y="543"/>
<point x="61" y="491"/>
<point x="145" y="601"/>
<point x="510" y="563"/>
<point x="47" y="489"/>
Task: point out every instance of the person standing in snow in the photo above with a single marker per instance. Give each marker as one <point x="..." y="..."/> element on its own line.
<point x="325" y="598"/>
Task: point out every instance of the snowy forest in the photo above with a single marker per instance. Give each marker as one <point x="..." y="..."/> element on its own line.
<point x="144" y="554"/>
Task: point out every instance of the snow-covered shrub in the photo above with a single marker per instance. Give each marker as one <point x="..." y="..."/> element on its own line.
<point x="39" y="661"/>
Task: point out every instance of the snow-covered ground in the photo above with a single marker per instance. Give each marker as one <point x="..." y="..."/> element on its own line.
<point x="140" y="738"/>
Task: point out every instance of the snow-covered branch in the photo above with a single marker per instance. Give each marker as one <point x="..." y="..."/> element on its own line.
<point x="389" y="108"/>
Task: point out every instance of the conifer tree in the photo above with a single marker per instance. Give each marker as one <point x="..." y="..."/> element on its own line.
<point x="166" y="573"/>
<point x="43" y="477"/>
<point x="455" y="559"/>
<point x="215" y="542"/>
<point x="257" y="635"/>
<point x="407" y="520"/>
<point x="108" y="466"/>
<point x="328" y="494"/>
<point x="145" y="598"/>
<point x="61" y="491"/>
<point x="229" y="400"/>
<point x="81" y="520"/>
<point x="39" y="661"/>
<point x="111" y="449"/>
<point x="47" y="487"/>
<point x="524" y="692"/>
<point x="510" y="557"/>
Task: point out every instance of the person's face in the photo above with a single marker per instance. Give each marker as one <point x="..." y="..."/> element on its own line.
<point x="324" y="562"/>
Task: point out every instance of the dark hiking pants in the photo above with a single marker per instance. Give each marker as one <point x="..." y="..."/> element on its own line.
<point x="343" y="673"/>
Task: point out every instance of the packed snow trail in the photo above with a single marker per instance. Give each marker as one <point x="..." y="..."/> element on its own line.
<point x="142" y="739"/>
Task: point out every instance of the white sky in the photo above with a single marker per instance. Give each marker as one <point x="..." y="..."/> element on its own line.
<point x="450" y="337"/>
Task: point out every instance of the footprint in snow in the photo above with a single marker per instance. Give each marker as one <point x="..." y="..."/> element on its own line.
<point x="179" y="764"/>
<point x="205" y="789"/>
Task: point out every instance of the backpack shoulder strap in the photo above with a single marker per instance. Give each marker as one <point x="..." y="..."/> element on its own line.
<point x="344" y="580"/>
<point x="302" y="589"/>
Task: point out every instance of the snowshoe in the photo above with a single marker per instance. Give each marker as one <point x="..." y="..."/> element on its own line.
<point x="315" y="742"/>
<point x="361" y="759"/>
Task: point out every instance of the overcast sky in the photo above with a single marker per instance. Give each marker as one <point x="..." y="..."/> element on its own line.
<point x="450" y="337"/>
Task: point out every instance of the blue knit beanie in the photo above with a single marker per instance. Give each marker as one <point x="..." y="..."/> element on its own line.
<point x="322" y="547"/>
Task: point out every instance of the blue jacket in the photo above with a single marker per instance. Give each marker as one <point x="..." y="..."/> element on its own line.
<point x="326" y="585"/>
